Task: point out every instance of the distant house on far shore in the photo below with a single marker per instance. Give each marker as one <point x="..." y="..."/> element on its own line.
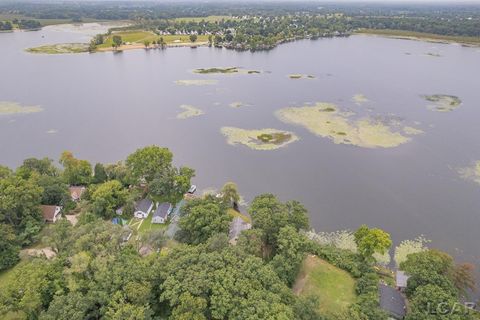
<point x="51" y="213"/>
<point x="161" y="214"/>
<point x="143" y="208"/>
<point x="236" y="227"/>
<point x="76" y="192"/>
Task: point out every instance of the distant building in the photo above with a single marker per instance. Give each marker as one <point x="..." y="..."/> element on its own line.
<point x="401" y="280"/>
<point x="161" y="214"/>
<point x="236" y="227"/>
<point x="76" y="192"/>
<point x="392" y="301"/>
<point x="143" y="208"/>
<point x="51" y="213"/>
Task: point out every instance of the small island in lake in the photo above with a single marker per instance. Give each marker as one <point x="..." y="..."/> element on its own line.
<point x="61" y="48"/>
<point x="325" y="120"/>
<point x="260" y="139"/>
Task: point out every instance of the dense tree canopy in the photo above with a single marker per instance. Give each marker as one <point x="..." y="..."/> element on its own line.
<point x="76" y="172"/>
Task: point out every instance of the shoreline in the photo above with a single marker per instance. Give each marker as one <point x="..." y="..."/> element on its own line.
<point x="427" y="37"/>
<point x="141" y="46"/>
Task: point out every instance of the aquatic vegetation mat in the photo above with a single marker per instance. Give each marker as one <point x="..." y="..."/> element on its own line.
<point x="471" y="173"/>
<point x="238" y="104"/>
<point x="412" y="131"/>
<point x="8" y="107"/>
<point x="443" y="102"/>
<point x="360" y="99"/>
<point x="296" y="76"/>
<point x="61" y="48"/>
<point x="228" y="70"/>
<point x="190" y="111"/>
<point x="197" y="82"/>
<point x="326" y="120"/>
<point x="259" y="139"/>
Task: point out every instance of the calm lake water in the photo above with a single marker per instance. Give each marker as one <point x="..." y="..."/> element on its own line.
<point x="104" y="106"/>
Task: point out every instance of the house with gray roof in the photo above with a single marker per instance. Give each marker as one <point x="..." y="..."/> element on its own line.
<point x="161" y="214"/>
<point x="392" y="301"/>
<point x="236" y="227"/>
<point x="143" y="208"/>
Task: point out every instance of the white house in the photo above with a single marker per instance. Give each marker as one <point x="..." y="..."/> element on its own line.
<point x="143" y="208"/>
<point x="161" y="214"/>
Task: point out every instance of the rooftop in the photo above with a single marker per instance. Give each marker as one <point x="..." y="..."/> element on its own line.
<point x="143" y="205"/>
<point x="162" y="210"/>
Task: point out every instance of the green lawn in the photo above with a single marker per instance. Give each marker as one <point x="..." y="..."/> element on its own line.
<point x="139" y="36"/>
<point x="148" y="225"/>
<point x="334" y="287"/>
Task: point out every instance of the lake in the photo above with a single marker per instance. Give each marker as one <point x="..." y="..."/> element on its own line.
<point x="104" y="106"/>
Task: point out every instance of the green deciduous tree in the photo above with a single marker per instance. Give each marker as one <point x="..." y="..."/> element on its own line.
<point x="270" y="215"/>
<point x="370" y="241"/>
<point x="230" y="194"/>
<point x="171" y="184"/>
<point x="76" y="172"/>
<point x="9" y="248"/>
<point x="99" y="173"/>
<point x="148" y="162"/>
<point x="20" y="206"/>
<point x="107" y="197"/>
<point x="202" y="219"/>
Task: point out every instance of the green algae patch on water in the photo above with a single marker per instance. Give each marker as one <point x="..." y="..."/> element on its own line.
<point x="8" y="108"/>
<point x="471" y="173"/>
<point x="61" y="48"/>
<point x="360" y="99"/>
<point x="412" y="131"/>
<point x="190" y="111"/>
<point x="238" y="104"/>
<point x="297" y="76"/>
<point x="325" y="120"/>
<point x="443" y="102"/>
<point x="228" y="70"/>
<point x="196" y="82"/>
<point x="259" y="139"/>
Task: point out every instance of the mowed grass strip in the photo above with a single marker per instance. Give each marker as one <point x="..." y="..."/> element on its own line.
<point x="334" y="287"/>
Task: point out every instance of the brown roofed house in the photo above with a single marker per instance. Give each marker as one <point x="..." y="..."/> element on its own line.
<point x="76" y="192"/>
<point x="50" y="213"/>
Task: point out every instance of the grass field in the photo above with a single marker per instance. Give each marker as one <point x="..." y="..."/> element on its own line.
<point x="147" y="225"/>
<point x="421" y="36"/>
<point x="334" y="287"/>
<point x="139" y="37"/>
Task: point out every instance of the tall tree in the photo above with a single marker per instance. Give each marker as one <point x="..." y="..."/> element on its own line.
<point x="99" y="173"/>
<point x="202" y="219"/>
<point x="20" y="206"/>
<point x="107" y="197"/>
<point x="230" y="194"/>
<point x="147" y="162"/>
<point x="76" y="172"/>
<point x="9" y="248"/>
<point x="370" y="241"/>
